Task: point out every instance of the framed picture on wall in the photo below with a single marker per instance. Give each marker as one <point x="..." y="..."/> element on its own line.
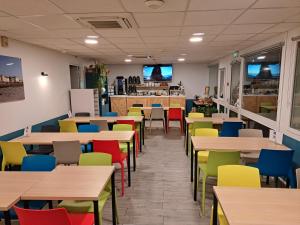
<point x="11" y="79"/>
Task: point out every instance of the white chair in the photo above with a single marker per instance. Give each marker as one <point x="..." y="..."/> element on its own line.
<point x="157" y="113"/>
<point x="219" y="115"/>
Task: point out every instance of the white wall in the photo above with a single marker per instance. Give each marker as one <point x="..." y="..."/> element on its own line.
<point x="45" y="97"/>
<point x="193" y="76"/>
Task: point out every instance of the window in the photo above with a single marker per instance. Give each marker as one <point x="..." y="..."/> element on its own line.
<point x="261" y="82"/>
<point x="222" y="83"/>
<point x="235" y="82"/>
<point x="213" y="80"/>
<point x="295" y="115"/>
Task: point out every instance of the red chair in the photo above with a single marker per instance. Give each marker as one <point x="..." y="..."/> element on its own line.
<point x="175" y="114"/>
<point x="137" y="140"/>
<point x="58" y="216"/>
<point x="112" y="148"/>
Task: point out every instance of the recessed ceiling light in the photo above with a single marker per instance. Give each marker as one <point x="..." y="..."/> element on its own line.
<point x="92" y="36"/>
<point x="129" y="55"/>
<point x="196" y="39"/>
<point x="198" y="34"/>
<point x="183" y="54"/>
<point x="154" y="4"/>
<point x="127" y="60"/>
<point x="261" y="57"/>
<point x="181" y="59"/>
<point x="91" y="41"/>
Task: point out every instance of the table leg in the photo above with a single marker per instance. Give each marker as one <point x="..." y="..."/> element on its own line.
<point x="166" y="125"/>
<point x="141" y="136"/>
<point x="96" y="213"/>
<point x="113" y="199"/>
<point x="26" y="204"/>
<point x="195" y="175"/>
<point x="128" y="163"/>
<point x="192" y="161"/>
<point x="50" y="204"/>
<point x="143" y="130"/>
<point x="7" y="218"/>
<point x="134" y="153"/>
<point x="187" y="139"/>
<point x="215" y="210"/>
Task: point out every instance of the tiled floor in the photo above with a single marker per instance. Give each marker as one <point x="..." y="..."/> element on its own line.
<point x="161" y="192"/>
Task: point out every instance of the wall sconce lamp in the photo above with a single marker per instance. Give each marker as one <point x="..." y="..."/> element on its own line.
<point x="44" y="74"/>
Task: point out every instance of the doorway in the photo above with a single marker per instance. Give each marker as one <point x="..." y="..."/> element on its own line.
<point x="75" y="76"/>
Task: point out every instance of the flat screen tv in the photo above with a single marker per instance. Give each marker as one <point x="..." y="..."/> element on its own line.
<point x="264" y="70"/>
<point x="158" y="72"/>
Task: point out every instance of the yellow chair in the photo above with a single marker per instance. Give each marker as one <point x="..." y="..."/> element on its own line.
<point x="123" y="127"/>
<point x="194" y="115"/>
<point x="205" y="132"/>
<point x="134" y="114"/>
<point x="13" y="153"/>
<point x="135" y="109"/>
<point x="68" y="126"/>
<point x="236" y="176"/>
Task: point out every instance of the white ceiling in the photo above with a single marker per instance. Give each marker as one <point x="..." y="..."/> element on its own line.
<point x="228" y="25"/>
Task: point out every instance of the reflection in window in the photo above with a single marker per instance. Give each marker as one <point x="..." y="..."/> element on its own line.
<point x="213" y="80"/>
<point x="261" y="82"/>
<point x="295" y="117"/>
<point x="235" y="83"/>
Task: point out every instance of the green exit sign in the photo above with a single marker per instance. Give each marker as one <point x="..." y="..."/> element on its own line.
<point x="235" y="54"/>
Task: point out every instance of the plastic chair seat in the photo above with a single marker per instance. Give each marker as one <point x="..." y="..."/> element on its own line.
<point x="123" y="147"/>
<point x="203" y="156"/>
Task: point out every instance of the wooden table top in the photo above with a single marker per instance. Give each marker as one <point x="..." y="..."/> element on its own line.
<point x="71" y="183"/>
<point x="14" y="184"/>
<point x="243" y="144"/>
<point x="44" y="138"/>
<point x="259" y="206"/>
<point x="150" y="107"/>
<point x="79" y="119"/>
<point x="216" y="120"/>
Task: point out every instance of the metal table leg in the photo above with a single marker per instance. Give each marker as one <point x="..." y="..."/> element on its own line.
<point x="141" y="136"/>
<point x="195" y="175"/>
<point x="7" y="218"/>
<point x="113" y="199"/>
<point x="134" y="153"/>
<point x="187" y="139"/>
<point x="192" y="160"/>
<point x="215" y="210"/>
<point x="128" y="163"/>
<point x="96" y="213"/>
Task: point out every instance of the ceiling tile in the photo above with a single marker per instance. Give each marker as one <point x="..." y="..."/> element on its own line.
<point x="217" y="4"/>
<point x="235" y="37"/>
<point x="29" y="7"/>
<point x="261" y="37"/>
<point x="159" y="19"/>
<point x="247" y="28"/>
<point x="224" y="43"/>
<point x="53" y="22"/>
<point x="121" y="40"/>
<point x="30" y="32"/>
<point x="277" y="3"/>
<point x="294" y="19"/>
<point x="117" y="33"/>
<point x="72" y="33"/>
<point x="169" y="6"/>
<point x="266" y="15"/>
<point x="162" y="40"/>
<point x="211" y="17"/>
<point x="3" y="14"/>
<point x="12" y="23"/>
<point x="208" y="30"/>
<point x="282" y="27"/>
<point x="101" y="41"/>
<point x="159" y="32"/>
<point x="89" y="6"/>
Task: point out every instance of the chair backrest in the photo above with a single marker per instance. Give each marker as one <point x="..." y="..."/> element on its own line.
<point x="218" y="158"/>
<point x="275" y="162"/>
<point x="175" y="105"/>
<point x="238" y="176"/>
<point x="207" y="132"/>
<point x="110" y="114"/>
<point x="250" y="133"/>
<point x="298" y="177"/>
<point x="50" y="128"/>
<point x="130" y="122"/>
<point x="134" y="114"/>
<point x="231" y="129"/>
<point x="175" y="113"/>
<point x="67" y="152"/>
<point x="109" y="147"/>
<point x="58" y="216"/>
<point x="219" y="115"/>
<point x="137" y="105"/>
<point x="13" y="153"/>
<point x="67" y="126"/>
<point x="157" y="113"/>
<point x="95" y="159"/>
<point x="195" y="115"/>
<point x="122" y="127"/>
<point x="133" y="109"/>
<point x="200" y="124"/>
<point x="83" y="114"/>
<point x="102" y="124"/>
<point x="38" y="163"/>
<point x="156" y="105"/>
<point x="88" y="128"/>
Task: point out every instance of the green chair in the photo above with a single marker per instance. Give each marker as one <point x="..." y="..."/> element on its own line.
<point x="134" y="114"/>
<point x="210" y="169"/>
<point x="73" y="206"/>
<point x="123" y="127"/>
<point x="13" y="154"/>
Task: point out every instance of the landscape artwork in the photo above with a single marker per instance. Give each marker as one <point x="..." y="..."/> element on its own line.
<point x="11" y="79"/>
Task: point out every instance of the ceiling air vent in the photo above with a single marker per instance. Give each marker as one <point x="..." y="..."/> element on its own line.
<point x="105" y="22"/>
<point x="142" y="56"/>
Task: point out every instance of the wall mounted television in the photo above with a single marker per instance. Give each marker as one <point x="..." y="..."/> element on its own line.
<point x="263" y="70"/>
<point x="158" y="72"/>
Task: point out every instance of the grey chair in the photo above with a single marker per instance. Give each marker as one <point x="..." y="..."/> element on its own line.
<point x="298" y="177"/>
<point x="157" y="113"/>
<point x="250" y="157"/>
<point x="83" y="114"/>
<point x="219" y="115"/>
<point x="101" y="123"/>
<point x="67" y="152"/>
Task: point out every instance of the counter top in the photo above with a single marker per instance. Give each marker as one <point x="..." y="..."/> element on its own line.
<point x="146" y="96"/>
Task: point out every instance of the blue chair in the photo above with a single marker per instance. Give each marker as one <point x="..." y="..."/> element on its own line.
<point x="38" y="163"/>
<point x="88" y="128"/>
<point x="156" y="105"/>
<point x="231" y="129"/>
<point x="109" y="114"/>
<point x="275" y="163"/>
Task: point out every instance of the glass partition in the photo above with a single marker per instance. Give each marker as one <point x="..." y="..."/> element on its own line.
<point x="222" y="83"/>
<point x="295" y="114"/>
<point x="235" y="82"/>
<point x="213" y="80"/>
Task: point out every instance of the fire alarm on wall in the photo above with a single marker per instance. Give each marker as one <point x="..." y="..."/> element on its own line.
<point x="4" y="41"/>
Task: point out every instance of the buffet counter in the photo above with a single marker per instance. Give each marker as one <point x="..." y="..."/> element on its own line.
<point x="121" y="103"/>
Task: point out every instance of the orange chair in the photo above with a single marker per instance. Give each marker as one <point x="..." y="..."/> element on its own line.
<point x="112" y="148"/>
<point x="175" y="114"/>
